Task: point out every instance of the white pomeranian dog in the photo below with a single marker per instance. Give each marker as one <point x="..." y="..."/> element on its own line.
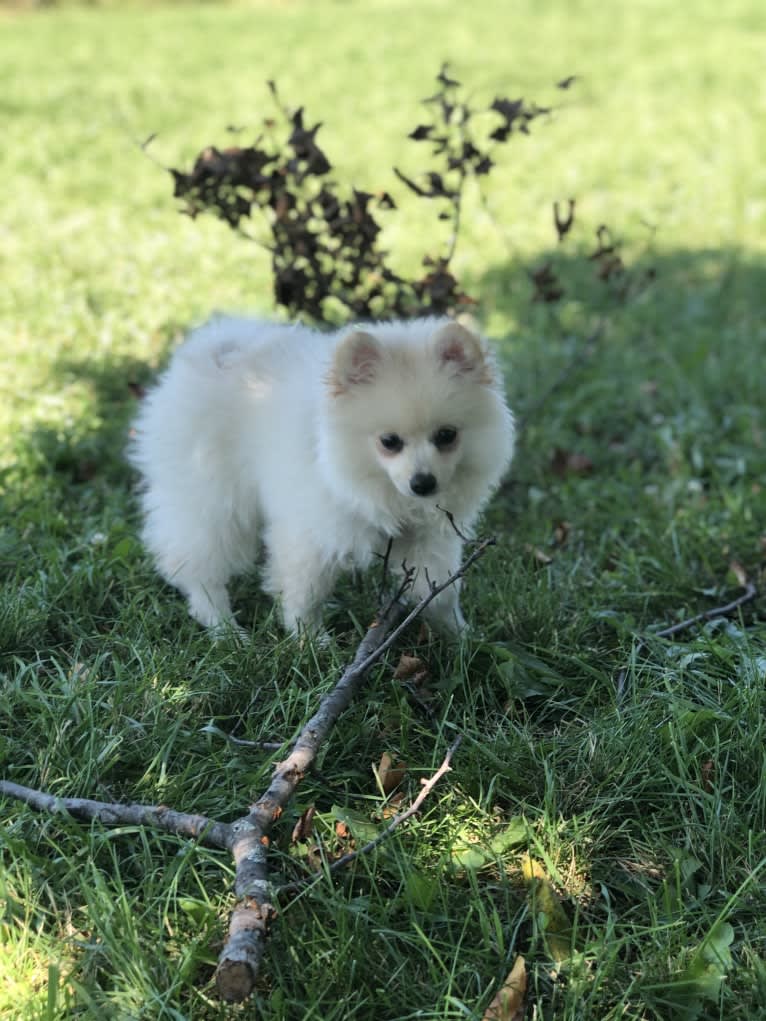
<point x="323" y="446"/>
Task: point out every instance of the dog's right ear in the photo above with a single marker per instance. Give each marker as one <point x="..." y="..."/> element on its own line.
<point x="355" y="361"/>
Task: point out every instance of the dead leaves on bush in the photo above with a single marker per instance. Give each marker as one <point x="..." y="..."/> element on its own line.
<point x="323" y="238"/>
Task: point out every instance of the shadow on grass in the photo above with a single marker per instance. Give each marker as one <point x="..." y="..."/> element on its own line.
<point x="697" y="329"/>
<point x="700" y="303"/>
<point x="705" y="289"/>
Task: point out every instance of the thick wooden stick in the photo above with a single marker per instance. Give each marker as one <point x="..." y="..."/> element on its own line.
<point x="240" y="958"/>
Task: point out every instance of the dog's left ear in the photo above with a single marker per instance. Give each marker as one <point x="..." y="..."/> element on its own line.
<point x="461" y="352"/>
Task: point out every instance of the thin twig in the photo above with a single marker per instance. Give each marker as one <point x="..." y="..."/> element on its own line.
<point x="342" y="862"/>
<point x="385" y="557"/>
<point x="471" y="559"/>
<point x="717" y="611"/>
<point x="747" y="596"/>
<point x="456" y="205"/>
<point x="451" y="518"/>
<point x="264" y="746"/>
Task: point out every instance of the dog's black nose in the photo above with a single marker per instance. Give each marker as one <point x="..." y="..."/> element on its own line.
<point x="423" y="483"/>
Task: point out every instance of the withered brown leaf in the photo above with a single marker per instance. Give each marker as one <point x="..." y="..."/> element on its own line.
<point x="508" y="1004"/>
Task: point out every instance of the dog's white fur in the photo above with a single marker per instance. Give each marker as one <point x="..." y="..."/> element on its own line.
<point x="260" y="431"/>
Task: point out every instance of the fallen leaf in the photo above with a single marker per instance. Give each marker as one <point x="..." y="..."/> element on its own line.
<point x="407" y="666"/>
<point x="390" y="775"/>
<point x="532" y="869"/>
<point x="468" y="854"/>
<point x="508" y="1004"/>
<point x="701" y="980"/>
<point x="568" y="462"/>
<point x="561" y="532"/>
<point x="706" y="775"/>
<point x="538" y="555"/>
<point x="350" y="825"/>
<point x="304" y="827"/>
<point x="393" y="806"/>
<point x="420" y="889"/>
<point x="424" y="633"/>
<point x="550" y="913"/>
<point x="739" y="573"/>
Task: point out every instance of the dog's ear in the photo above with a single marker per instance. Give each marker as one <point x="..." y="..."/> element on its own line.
<point x="461" y="352"/>
<point x="356" y="361"/>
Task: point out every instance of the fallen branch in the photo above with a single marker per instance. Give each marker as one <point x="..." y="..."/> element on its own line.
<point x="715" y="612"/>
<point x="247" y="838"/>
<point x="160" y="817"/>
<point x="342" y="862"/>
<point x="240" y="958"/>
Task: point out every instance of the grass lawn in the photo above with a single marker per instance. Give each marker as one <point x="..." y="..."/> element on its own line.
<point x="637" y="486"/>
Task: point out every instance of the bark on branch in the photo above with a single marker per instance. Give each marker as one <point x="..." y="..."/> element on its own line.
<point x="240" y="959"/>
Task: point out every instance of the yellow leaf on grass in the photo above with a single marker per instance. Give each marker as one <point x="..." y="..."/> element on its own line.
<point x="550" y="913"/>
<point x="531" y="869"/>
<point x="508" y="1004"/>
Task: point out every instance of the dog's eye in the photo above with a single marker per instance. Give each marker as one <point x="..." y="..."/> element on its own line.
<point x="391" y="442"/>
<point x="444" y="438"/>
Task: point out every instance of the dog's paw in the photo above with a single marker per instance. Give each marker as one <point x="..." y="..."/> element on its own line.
<point x="317" y="637"/>
<point x="229" y="631"/>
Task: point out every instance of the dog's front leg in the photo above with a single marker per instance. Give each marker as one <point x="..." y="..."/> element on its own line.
<point x="299" y="576"/>
<point x="433" y="558"/>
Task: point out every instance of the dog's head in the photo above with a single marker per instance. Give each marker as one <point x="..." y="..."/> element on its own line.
<point x="416" y="410"/>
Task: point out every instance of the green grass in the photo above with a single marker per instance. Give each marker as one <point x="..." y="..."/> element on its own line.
<point x="648" y="814"/>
